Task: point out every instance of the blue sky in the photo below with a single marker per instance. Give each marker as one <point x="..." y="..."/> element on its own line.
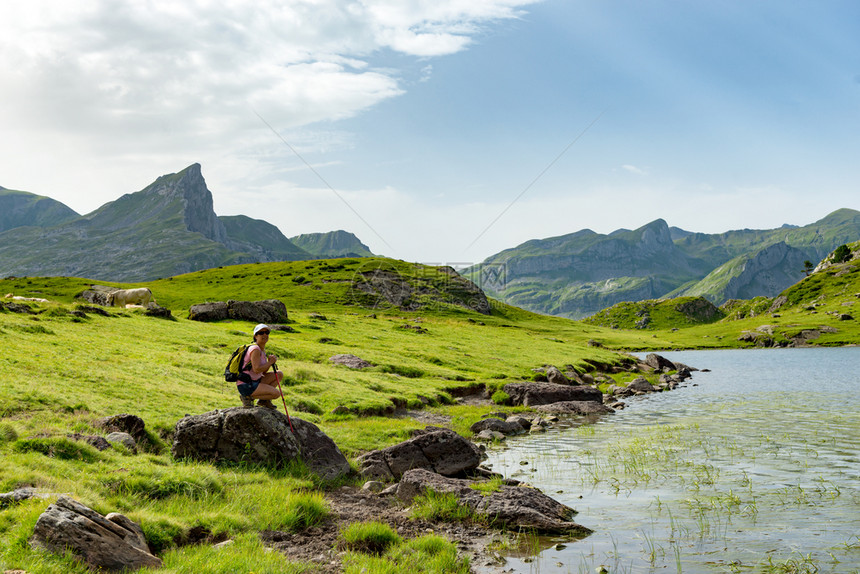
<point x="436" y="128"/>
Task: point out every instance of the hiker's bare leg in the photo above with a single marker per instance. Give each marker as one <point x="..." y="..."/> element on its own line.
<point x="269" y="379"/>
<point x="266" y="392"/>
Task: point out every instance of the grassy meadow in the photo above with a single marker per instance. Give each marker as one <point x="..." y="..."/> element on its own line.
<point x="64" y="367"/>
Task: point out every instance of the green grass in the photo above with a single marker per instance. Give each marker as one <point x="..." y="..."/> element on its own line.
<point x="81" y="367"/>
<point x="425" y="554"/>
<point x="368" y="537"/>
<point x="441" y="506"/>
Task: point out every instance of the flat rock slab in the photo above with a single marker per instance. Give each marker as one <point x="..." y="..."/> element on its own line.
<point x="351" y="361"/>
<point x="111" y="542"/>
<point x="531" y="394"/>
<point x="575" y="408"/>
<point x="441" y="450"/>
<point x="511" y="507"/>
<point x="257" y="436"/>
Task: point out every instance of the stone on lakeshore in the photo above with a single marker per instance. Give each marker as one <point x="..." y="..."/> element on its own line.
<point x="641" y="385"/>
<point x="531" y="394"/>
<point x="575" y="408"/>
<point x="659" y="363"/>
<point x="490" y="436"/>
<point x="440" y="450"/>
<point x="497" y="425"/>
<point x="555" y="376"/>
<point x="511" y="507"/>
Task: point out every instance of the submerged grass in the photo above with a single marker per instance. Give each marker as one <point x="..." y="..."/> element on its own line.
<point x="722" y="495"/>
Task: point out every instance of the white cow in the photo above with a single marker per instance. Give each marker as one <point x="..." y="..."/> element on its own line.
<point x="123" y="297"/>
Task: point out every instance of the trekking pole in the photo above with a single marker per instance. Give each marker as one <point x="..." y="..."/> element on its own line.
<point x="289" y="420"/>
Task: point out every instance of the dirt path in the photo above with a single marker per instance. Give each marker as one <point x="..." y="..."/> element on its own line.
<point x="318" y="545"/>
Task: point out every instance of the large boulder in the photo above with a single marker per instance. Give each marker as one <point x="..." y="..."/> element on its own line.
<point x="266" y="311"/>
<point x="439" y="450"/>
<point x="659" y="363"/>
<point x="511" y="507"/>
<point x="97" y="294"/>
<point x="209" y="312"/>
<point x="641" y="385"/>
<point x="257" y="436"/>
<point x="531" y="394"/>
<point x="111" y="542"/>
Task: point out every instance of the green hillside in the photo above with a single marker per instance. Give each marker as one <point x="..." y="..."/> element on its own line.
<point x="579" y="274"/>
<point x="81" y="366"/>
<point x="167" y="228"/>
<point x="332" y="244"/>
<point x="655" y="314"/>
<point x="819" y="310"/>
<point x="256" y="236"/>
<point x="22" y="209"/>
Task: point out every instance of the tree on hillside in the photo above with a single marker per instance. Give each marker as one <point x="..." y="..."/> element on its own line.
<point x="842" y="254"/>
<point x="808" y="266"/>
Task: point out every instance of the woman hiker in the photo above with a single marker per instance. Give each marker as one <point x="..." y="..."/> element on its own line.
<point x="259" y="384"/>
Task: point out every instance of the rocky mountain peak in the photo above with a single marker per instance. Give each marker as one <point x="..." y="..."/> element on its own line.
<point x="655" y="236"/>
<point x="189" y="187"/>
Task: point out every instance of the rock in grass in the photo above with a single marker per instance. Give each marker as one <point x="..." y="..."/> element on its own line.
<point x="350" y="361"/>
<point x="124" y="439"/>
<point x="16" y="496"/>
<point x="111" y="542"/>
<point x="124" y="423"/>
<point x="257" y="436"/>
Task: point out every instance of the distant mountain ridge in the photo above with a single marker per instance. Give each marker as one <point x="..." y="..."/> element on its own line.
<point x="578" y="274"/>
<point x="333" y="244"/>
<point x="23" y="209"/>
<point x="166" y="229"/>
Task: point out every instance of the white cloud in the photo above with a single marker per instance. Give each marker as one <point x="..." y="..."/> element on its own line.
<point x="633" y="169"/>
<point x="143" y="84"/>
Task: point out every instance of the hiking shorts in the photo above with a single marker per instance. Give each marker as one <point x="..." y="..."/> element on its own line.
<point x="247" y="389"/>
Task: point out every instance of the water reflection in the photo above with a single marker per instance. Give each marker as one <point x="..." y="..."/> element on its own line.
<point x="755" y="466"/>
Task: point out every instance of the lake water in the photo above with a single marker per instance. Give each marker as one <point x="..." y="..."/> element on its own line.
<point x="752" y="467"/>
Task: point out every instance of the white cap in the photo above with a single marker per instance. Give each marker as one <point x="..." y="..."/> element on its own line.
<point x="260" y="327"/>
